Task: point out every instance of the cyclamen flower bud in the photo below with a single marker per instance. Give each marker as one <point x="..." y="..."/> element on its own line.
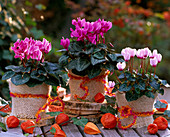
<point x="153" y="62"/>
<point x="121" y="66"/>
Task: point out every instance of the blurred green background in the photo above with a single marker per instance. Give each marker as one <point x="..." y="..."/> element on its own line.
<point x="136" y="23"/>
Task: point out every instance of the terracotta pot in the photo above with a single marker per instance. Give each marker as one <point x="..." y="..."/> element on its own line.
<point x="93" y="86"/>
<point x="142" y="104"/>
<point x="26" y="108"/>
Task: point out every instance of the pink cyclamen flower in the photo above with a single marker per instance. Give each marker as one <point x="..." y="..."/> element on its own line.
<point x="126" y="57"/>
<point x="121" y="66"/>
<point x="147" y="52"/>
<point x="159" y="57"/>
<point x="153" y="62"/>
<point x="65" y="43"/>
<point x="111" y="84"/>
<point x="140" y="53"/>
<point x="45" y="46"/>
<point x="154" y="54"/>
<point x="130" y="51"/>
<point x="20" y="49"/>
<point x="34" y="51"/>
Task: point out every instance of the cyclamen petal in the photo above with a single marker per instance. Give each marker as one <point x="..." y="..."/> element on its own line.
<point x="65" y="43"/>
<point x="155" y="52"/>
<point x="147" y="52"/>
<point x="159" y="57"/>
<point x="126" y="57"/>
<point x="121" y="66"/>
<point x="153" y="62"/>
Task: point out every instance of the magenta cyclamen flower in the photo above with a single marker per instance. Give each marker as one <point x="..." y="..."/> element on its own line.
<point x="65" y="43"/>
<point x="121" y="66"/>
<point x="30" y="48"/>
<point x="20" y="49"/>
<point x="111" y="84"/>
<point x="153" y="62"/>
<point x="45" y="46"/>
<point x="89" y="31"/>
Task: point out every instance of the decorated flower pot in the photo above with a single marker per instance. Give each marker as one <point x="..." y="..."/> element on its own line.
<point x="85" y="88"/>
<point x="135" y="114"/>
<point x="26" y="101"/>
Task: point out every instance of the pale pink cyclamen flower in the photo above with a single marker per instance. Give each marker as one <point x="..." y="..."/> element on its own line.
<point x="121" y="66"/>
<point x="130" y="51"/>
<point x="111" y="84"/>
<point x="153" y="62"/>
<point x="140" y="53"/>
<point x="65" y="43"/>
<point x="159" y="57"/>
<point x="126" y="57"/>
<point x="147" y="52"/>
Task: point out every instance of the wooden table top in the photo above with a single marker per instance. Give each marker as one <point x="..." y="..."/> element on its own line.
<point x="77" y="131"/>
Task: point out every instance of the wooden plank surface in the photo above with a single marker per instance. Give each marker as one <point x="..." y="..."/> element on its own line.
<point x="108" y="132"/>
<point x="164" y="133"/>
<point x="143" y="133"/>
<point x="12" y="132"/>
<point x="128" y="133"/>
<point x="71" y="130"/>
<point x="46" y="128"/>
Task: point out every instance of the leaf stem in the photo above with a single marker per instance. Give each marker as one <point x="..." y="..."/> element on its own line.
<point x="117" y="77"/>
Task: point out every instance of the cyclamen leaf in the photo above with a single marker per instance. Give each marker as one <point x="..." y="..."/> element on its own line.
<point x="124" y="87"/>
<point x="8" y="75"/>
<point x="82" y="64"/>
<point x="3" y="126"/>
<point x="159" y="104"/>
<point x="94" y="72"/>
<point x="113" y="57"/>
<point x="19" y="79"/>
<point x="149" y="94"/>
<point x="80" y="122"/>
<point x="99" y="55"/>
<point x="53" y="113"/>
<point x="167" y="112"/>
<point x="95" y="61"/>
<point x="155" y="85"/>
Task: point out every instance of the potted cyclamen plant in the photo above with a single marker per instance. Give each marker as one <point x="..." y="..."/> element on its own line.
<point x="30" y="82"/>
<point x="88" y="58"/>
<point x="137" y="87"/>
